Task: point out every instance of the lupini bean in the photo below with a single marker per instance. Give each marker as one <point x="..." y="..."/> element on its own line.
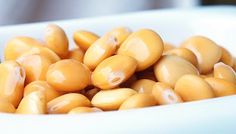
<point x="36" y="67"/>
<point x="63" y="104"/>
<point x="56" y="40"/>
<point x="145" y="45"/>
<point x="18" y="45"/>
<point x="110" y="72"/>
<point x="208" y="52"/>
<point x="226" y="57"/>
<point x="170" y="68"/>
<point x="112" y="99"/>
<point x="164" y="94"/>
<point x="68" y="75"/>
<point x="221" y="87"/>
<point x="192" y="87"/>
<point x="84" y="39"/>
<point x="50" y="92"/>
<point x="139" y="100"/>
<point x="12" y="78"/>
<point x="224" y="71"/>
<point x="33" y="103"/>
<point x="101" y="49"/>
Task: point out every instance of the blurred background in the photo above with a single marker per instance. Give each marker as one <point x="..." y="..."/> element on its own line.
<point x="27" y="11"/>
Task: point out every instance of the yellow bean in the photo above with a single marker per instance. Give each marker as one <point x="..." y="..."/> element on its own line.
<point x="208" y="52"/>
<point x="221" y="87"/>
<point x="84" y="39"/>
<point x="50" y="92"/>
<point x="164" y="94"/>
<point x="56" y="40"/>
<point x="33" y="103"/>
<point x="143" y="85"/>
<point x="79" y="110"/>
<point x="112" y="71"/>
<point x="226" y="57"/>
<point x="224" y="71"/>
<point x="63" y="104"/>
<point x="12" y="78"/>
<point x="112" y="99"/>
<point x="192" y="87"/>
<point x="145" y="46"/>
<point x="68" y="75"/>
<point x="36" y="67"/>
<point x="138" y="101"/>
<point x="101" y="49"/>
<point x="44" y="51"/>
<point x="120" y="34"/>
<point x="18" y="45"/>
<point x="170" y="68"/>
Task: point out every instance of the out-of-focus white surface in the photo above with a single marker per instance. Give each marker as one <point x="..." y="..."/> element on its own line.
<point x="208" y="116"/>
<point x="25" y="11"/>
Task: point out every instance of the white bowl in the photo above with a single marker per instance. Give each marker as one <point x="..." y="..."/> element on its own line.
<point x="216" y="115"/>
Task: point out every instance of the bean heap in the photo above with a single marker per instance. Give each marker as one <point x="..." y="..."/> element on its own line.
<point x="117" y="71"/>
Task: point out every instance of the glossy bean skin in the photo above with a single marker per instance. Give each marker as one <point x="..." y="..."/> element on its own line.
<point x="63" y="104"/>
<point x="145" y="46"/>
<point x="6" y="107"/>
<point x="68" y="75"/>
<point x="111" y="99"/>
<point x="143" y="86"/>
<point x="164" y="94"/>
<point x="101" y="49"/>
<point x="208" y="52"/>
<point x="76" y="54"/>
<point x="193" y="87"/>
<point x="120" y="34"/>
<point x="56" y="40"/>
<point x="84" y="39"/>
<point x="109" y="73"/>
<point x="226" y="57"/>
<point x="18" y="45"/>
<point x="44" y="51"/>
<point x="221" y="87"/>
<point x="33" y="103"/>
<point x="50" y="92"/>
<point x="139" y="100"/>
<point x="170" y="68"/>
<point x="12" y="78"/>
<point x="36" y="67"/>
<point x="185" y="54"/>
<point x="79" y="110"/>
<point x="224" y="71"/>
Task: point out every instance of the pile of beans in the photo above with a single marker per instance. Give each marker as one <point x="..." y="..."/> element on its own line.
<point x="117" y="71"/>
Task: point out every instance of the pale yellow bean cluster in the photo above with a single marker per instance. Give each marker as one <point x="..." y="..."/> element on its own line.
<point x="122" y="69"/>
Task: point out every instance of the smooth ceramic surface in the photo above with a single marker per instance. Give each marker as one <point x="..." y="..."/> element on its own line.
<point x="216" y="115"/>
